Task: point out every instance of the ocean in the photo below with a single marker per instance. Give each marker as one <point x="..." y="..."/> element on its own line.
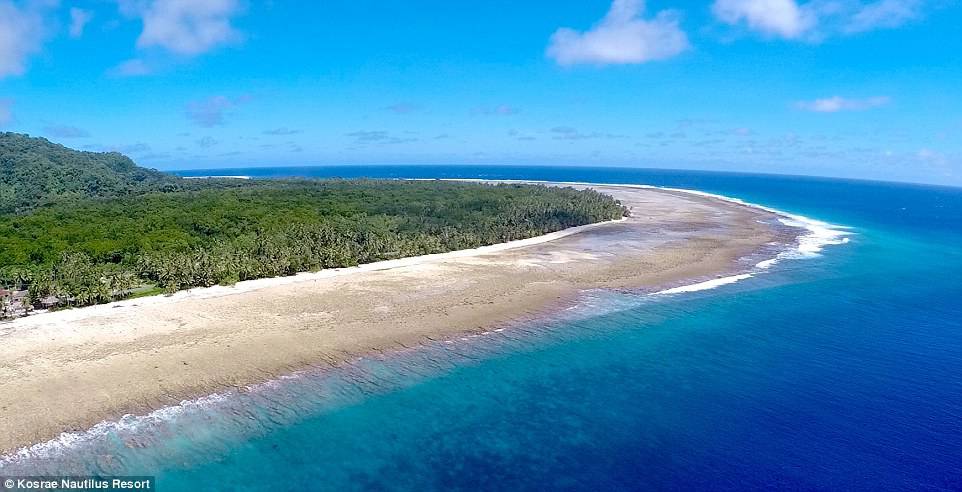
<point x="835" y="369"/>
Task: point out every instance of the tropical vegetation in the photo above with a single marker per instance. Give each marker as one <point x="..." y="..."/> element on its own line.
<point x="80" y="228"/>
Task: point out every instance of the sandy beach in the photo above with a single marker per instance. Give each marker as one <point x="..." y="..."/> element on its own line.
<point x="68" y="370"/>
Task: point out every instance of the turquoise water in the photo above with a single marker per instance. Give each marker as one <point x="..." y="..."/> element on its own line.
<point x="837" y="372"/>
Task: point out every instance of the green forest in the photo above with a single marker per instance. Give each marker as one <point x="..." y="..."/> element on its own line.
<point x="81" y="228"/>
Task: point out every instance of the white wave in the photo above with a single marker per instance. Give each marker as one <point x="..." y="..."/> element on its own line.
<point x="131" y="423"/>
<point x="810" y="244"/>
<point x="706" y="285"/>
<point x="820" y="234"/>
<point x="766" y="263"/>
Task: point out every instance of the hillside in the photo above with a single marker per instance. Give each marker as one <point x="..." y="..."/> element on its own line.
<point x="35" y="171"/>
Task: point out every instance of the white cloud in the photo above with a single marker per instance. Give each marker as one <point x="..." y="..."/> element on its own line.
<point x="570" y="133"/>
<point x="816" y="19"/>
<point x="21" y="35"/>
<point x="282" y="131"/>
<point x="136" y="148"/>
<point x="210" y="112"/>
<point x="206" y="142"/>
<point x="78" y="21"/>
<point x="836" y="103"/>
<point x="499" y="110"/>
<point x="131" y="68"/>
<point x="185" y="27"/>
<point x="883" y="14"/>
<point x="782" y="18"/>
<point x="6" y="112"/>
<point x="932" y="156"/>
<point x="65" y="131"/>
<point x="403" y="108"/>
<point x="621" y="37"/>
<point x="379" y="137"/>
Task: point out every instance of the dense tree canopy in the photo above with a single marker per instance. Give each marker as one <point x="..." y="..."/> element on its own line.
<point x="116" y="227"/>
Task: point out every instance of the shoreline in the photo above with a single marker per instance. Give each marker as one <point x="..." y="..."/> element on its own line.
<point x="215" y="291"/>
<point x="694" y="250"/>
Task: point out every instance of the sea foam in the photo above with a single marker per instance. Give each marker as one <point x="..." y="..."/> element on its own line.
<point x="706" y="285"/>
<point x="809" y="245"/>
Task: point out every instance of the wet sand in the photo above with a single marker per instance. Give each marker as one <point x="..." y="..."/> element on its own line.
<point x="68" y="370"/>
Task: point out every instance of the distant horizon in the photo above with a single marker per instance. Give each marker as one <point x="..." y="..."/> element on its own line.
<point x="859" y="89"/>
<point x="571" y="166"/>
<point x="175" y="170"/>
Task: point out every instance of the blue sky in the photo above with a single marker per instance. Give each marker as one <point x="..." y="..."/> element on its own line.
<point x="852" y="88"/>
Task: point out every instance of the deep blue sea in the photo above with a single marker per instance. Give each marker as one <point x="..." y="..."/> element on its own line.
<point x="842" y="371"/>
